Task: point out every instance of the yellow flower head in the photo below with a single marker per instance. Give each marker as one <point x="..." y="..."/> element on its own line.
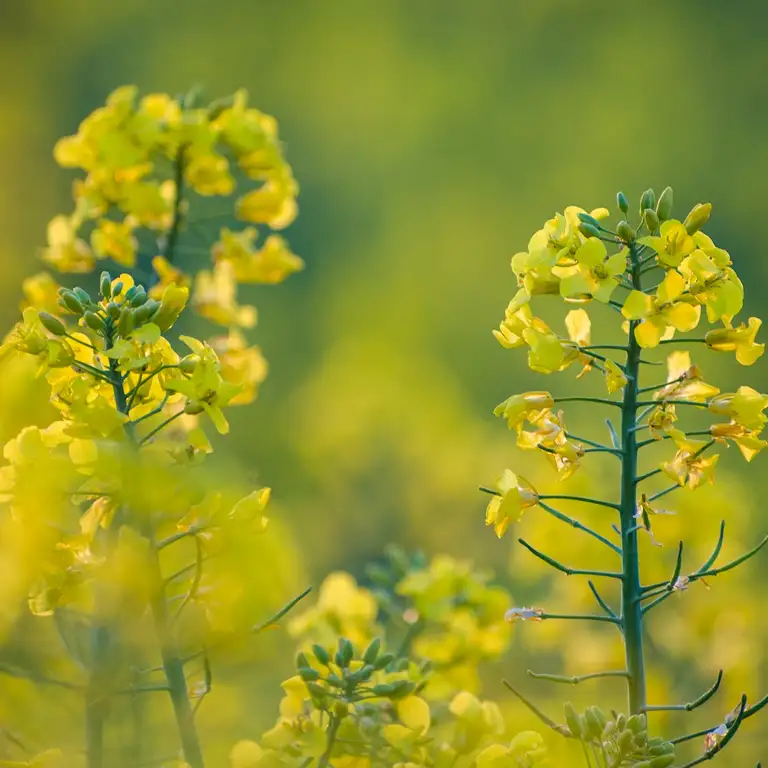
<point x="740" y="340"/>
<point x="515" y="495"/>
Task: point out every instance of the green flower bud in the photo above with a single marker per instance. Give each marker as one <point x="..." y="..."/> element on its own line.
<point x="657" y="746"/>
<point x="308" y="675"/>
<point x="641" y="739"/>
<point x="664" y="206"/>
<point x="662" y="761"/>
<point x="193" y="407"/>
<point x="651" y="219"/>
<point x="317" y="691"/>
<point x="372" y="651"/>
<point x="72" y="303"/>
<point x="382" y="689"/>
<point x="622" y="202"/>
<point x="637" y="723"/>
<point x="621" y="722"/>
<point x="131" y="292"/>
<point x="400" y="665"/>
<point x="138" y="298"/>
<point x="83" y="295"/>
<point x="647" y="200"/>
<point x="301" y="660"/>
<point x="105" y="285"/>
<point x="117" y="288"/>
<point x="574" y="721"/>
<point x="113" y="310"/>
<point x="625" y="232"/>
<point x="320" y="653"/>
<point x="146" y="311"/>
<point x="585" y="218"/>
<point x="187" y="366"/>
<point x="366" y="673"/>
<point x="126" y="322"/>
<point x="335" y="681"/>
<point x="698" y="217"/>
<point x="625" y="742"/>
<point x="588" y="230"/>
<point x="401" y="689"/>
<point x="52" y="324"/>
<point x="216" y="107"/>
<point x="594" y="724"/>
<point x="384" y="660"/>
<point x="341" y="710"/>
<point x="94" y="321"/>
<point x="345" y="653"/>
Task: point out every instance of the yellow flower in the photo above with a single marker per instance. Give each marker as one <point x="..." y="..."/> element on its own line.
<point x="614" y="377"/>
<point x="240" y="364"/>
<point x="167" y="274"/>
<point x="41" y="291"/>
<point x="579" y="327"/>
<point x="66" y="251"/>
<point x="31" y="337"/>
<point x="214" y="297"/>
<point x="115" y="239"/>
<point x="272" y="264"/>
<point x="515" y="495"/>
<point x="526" y="407"/>
<point x="273" y="203"/>
<point x="688" y="466"/>
<point x="661" y="313"/>
<point x="744" y="407"/>
<point x="172" y="303"/>
<point x="594" y="274"/>
<point x="205" y="389"/>
<point x="740" y="340"/>
<point x="516" y="320"/>
<point x="207" y="172"/>
<point x="748" y="441"/>
<point x="526" y="749"/>
<point x="661" y="420"/>
<point x="684" y="381"/>
<point x="672" y="244"/>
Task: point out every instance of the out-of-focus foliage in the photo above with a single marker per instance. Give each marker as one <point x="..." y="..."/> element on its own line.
<point x="429" y="138"/>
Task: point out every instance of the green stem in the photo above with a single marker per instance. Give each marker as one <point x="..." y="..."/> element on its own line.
<point x="575" y="680"/>
<point x="601" y="400"/>
<point x="632" y="616"/>
<point x="333" y="730"/>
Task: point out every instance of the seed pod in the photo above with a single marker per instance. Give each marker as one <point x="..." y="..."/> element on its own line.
<point x="117" y="288"/>
<point x="126" y="322"/>
<point x="588" y="230"/>
<point x="52" y="324"/>
<point x="372" y="651"/>
<point x="72" y="303"/>
<point x="651" y="219"/>
<point x="94" y="321"/>
<point x="622" y="202"/>
<point x="573" y="720"/>
<point x="664" y="206"/>
<point x="698" y="217"/>
<point x="320" y="653"/>
<point x="647" y="200"/>
<point x="105" y="285"/>
<point x="625" y="232"/>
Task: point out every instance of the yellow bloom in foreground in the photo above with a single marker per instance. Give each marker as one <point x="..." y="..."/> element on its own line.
<point x="748" y="441"/>
<point x="672" y="244"/>
<point x="684" y="381"/>
<point x="744" y="407"/>
<point x="594" y="275"/>
<point x="525" y="407"/>
<point x="688" y="466"/>
<point x="740" y="340"/>
<point x="515" y="496"/>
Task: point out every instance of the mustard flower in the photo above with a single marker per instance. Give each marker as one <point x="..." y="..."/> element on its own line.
<point x="515" y="496"/>
<point x="740" y="340"/>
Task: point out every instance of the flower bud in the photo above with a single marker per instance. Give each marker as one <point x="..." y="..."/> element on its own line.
<point x="105" y="285"/>
<point x="113" y="310"/>
<point x="301" y="660"/>
<point x="52" y="324"/>
<point x="664" y="206"/>
<point x="117" y="288"/>
<point x="187" y="366"/>
<point x="662" y="761"/>
<point x="588" y="230"/>
<point x="637" y="723"/>
<point x="72" y="303"/>
<point x="126" y="322"/>
<point x="698" y="217"/>
<point x="384" y="660"/>
<point x="321" y="655"/>
<point x="622" y="202"/>
<point x="594" y="725"/>
<point x="340" y="709"/>
<point x="193" y="407"/>
<point x="651" y="219"/>
<point x="585" y="218"/>
<point x="625" y="742"/>
<point x="372" y="651"/>
<point x="345" y="653"/>
<point x="93" y="321"/>
<point x="572" y="718"/>
<point x="625" y="232"/>
<point x="83" y="295"/>
<point x="647" y="200"/>
<point x="308" y="675"/>
<point x="138" y="298"/>
<point x="382" y="689"/>
<point x="316" y="691"/>
<point x="401" y="689"/>
<point x="146" y="310"/>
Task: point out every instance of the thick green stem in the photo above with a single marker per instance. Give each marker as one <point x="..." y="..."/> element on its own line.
<point x="632" y="615"/>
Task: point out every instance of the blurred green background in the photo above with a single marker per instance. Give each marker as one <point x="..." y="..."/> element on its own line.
<point x="430" y="140"/>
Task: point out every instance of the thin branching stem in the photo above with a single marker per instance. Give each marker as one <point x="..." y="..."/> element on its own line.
<point x="576" y="679"/>
<point x="607" y="608"/>
<point x="564" y="568"/>
<point x="585" y="499"/>
<point x="579" y="526"/>
<point x="691" y="705"/>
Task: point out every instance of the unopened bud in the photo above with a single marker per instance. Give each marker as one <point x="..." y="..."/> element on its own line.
<point x="187" y="366"/>
<point x="82" y="294"/>
<point x="193" y="407"/>
<point x="698" y="217"/>
<point x="52" y="324"/>
<point x="573" y="720"/>
<point x="146" y="310"/>
<point x="384" y="660"/>
<point x="651" y="219"/>
<point x="372" y="651"/>
<point x="664" y="206"/>
<point x="647" y="200"/>
<point x="113" y="310"/>
<point x="117" y="288"/>
<point x="625" y="232"/>
<point x="662" y="761"/>
<point x="138" y="298"/>
<point x="72" y="303"/>
<point x="105" y="285"/>
<point x="588" y="230"/>
<point x="308" y="675"/>
<point x="585" y="218"/>
<point x="622" y="202"/>
<point x="126" y="322"/>
<point x="92" y="320"/>
<point x="321" y="654"/>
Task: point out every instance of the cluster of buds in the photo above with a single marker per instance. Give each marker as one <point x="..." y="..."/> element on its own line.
<point x="622" y="741"/>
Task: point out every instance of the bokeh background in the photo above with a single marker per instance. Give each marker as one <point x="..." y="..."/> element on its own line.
<point x="430" y="139"/>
